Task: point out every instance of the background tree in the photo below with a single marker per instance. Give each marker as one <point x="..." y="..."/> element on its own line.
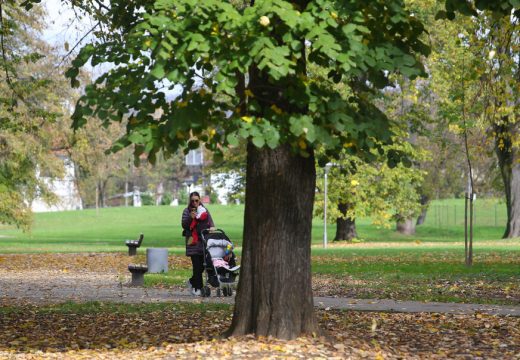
<point x="490" y="41"/>
<point x="372" y="189"/>
<point x="31" y="99"/>
<point x="95" y="168"/>
<point x="432" y="111"/>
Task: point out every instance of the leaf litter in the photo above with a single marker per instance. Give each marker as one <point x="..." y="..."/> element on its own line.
<point x="184" y="331"/>
<point x="181" y="331"/>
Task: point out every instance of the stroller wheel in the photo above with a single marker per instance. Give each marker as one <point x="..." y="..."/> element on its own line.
<point x="225" y="291"/>
<point x="219" y="293"/>
<point x="206" y="291"/>
<point x="230" y="292"/>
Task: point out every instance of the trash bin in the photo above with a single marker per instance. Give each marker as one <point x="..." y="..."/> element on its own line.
<point x="157" y="260"/>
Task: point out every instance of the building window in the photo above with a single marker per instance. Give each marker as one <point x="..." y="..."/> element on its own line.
<point x="194" y="158"/>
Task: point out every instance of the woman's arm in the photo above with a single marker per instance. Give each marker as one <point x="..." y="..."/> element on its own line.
<point x="186" y="219"/>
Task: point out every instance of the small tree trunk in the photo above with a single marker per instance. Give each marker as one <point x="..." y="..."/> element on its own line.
<point x="160" y="193"/>
<point x="126" y="192"/>
<point x="345" y="226"/>
<point x="102" y="193"/>
<point x="274" y="296"/>
<point x="406" y="226"/>
<point x="97" y="196"/>
<point x="424" y="209"/>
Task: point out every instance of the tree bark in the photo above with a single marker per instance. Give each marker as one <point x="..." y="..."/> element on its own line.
<point x="509" y="163"/>
<point x="345" y="226"/>
<point x="274" y="296"/>
<point x="406" y="226"/>
<point x="424" y="210"/>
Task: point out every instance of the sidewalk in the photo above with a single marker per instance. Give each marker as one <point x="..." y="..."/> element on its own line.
<point x="414" y="306"/>
<point x="51" y="288"/>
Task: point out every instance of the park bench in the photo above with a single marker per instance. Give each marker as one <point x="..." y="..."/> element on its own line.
<point x="137" y="271"/>
<point x="133" y="245"/>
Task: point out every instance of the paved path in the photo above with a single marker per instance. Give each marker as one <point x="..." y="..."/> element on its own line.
<point x="49" y="287"/>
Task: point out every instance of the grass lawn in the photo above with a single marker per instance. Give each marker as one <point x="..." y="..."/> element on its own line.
<point x="425" y="266"/>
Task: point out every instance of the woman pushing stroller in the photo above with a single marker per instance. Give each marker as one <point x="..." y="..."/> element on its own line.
<point x="195" y="218"/>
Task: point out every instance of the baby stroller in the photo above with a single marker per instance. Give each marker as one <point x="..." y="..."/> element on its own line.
<point x="219" y="262"/>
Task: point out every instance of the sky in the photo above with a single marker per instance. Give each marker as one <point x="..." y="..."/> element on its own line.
<point x="63" y="27"/>
<point x="62" y="24"/>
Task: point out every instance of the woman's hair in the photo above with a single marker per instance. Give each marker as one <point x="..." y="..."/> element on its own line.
<point x="196" y="193"/>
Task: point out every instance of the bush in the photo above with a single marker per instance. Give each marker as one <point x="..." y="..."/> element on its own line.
<point x="213" y="198"/>
<point x="183" y="197"/>
<point x="147" y="199"/>
<point x="167" y="198"/>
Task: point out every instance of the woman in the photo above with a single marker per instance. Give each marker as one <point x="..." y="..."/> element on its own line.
<point x="195" y="250"/>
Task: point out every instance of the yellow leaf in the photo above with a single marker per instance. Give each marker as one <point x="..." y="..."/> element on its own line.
<point x="374" y="325"/>
<point x="264" y="21"/>
<point x="215" y="29"/>
<point x="276" y="109"/>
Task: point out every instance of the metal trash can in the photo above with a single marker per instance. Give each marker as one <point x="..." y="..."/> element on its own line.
<point x="157" y="260"/>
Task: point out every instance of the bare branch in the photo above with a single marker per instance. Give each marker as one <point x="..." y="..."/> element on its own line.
<point x="77" y="44"/>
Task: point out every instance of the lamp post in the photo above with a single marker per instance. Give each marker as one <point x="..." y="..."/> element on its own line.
<point x="327" y="169"/>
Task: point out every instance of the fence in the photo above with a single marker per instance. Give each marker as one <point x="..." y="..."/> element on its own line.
<point x="485" y="213"/>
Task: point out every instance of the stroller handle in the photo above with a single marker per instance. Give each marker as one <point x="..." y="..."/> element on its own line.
<point x="206" y="231"/>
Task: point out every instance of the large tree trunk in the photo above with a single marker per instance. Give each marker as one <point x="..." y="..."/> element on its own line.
<point x="406" y="226"/>
<point x="345" y="226"/>
<point x="274" y="296"/>
<point x="509" y="163"/>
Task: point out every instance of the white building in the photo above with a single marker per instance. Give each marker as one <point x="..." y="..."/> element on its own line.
<point x="65" y="189"/>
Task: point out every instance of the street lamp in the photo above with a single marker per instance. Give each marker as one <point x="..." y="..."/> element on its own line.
<point x="327" y="169"/>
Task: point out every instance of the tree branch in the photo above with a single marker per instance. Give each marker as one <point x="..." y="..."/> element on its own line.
<point x="4" y="55"/>
<point x="77" y="44"/>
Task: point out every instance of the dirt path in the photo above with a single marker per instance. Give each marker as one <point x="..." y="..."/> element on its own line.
<point x="45" y="287"/>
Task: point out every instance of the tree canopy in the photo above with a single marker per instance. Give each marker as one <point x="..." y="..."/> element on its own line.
<point x="209" y="47"/>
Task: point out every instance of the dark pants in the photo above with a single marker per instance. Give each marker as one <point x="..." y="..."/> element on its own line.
<point x="197" y="262"/>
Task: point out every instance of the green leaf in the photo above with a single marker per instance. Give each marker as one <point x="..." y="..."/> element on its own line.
<point x="158" y="71"/>
<point x="135" y="138"/>
<point x="258" y="141"/>
<point x="232" y="140"/>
